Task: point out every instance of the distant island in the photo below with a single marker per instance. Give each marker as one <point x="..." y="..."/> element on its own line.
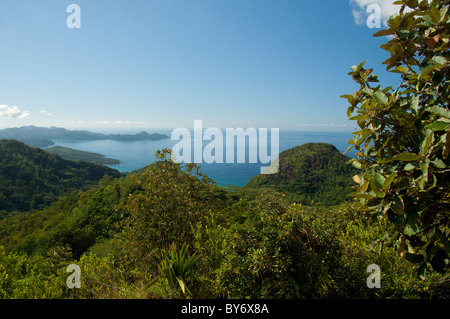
<point x="68" y="153"/>
<point x="35" y="136"/>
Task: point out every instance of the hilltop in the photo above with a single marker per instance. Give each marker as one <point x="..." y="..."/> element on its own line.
<point x="310" y="172"/>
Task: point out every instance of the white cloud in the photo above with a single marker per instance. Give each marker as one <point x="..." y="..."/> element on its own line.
<point x="12" y="112"/>
<point x="129" y="122"/>
<point x="45" y="112"/>
<point x="360" y="14"/>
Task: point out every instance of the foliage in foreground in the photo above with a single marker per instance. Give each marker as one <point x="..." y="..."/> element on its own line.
<point x="263" y="248"/>
<point x="404" y="138"/>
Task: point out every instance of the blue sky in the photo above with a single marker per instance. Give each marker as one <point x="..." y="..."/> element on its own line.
<point x="165" y="63"/>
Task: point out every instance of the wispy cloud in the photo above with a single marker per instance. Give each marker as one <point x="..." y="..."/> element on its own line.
<point x="45" y="112"/>
<point x="12" y="112"/>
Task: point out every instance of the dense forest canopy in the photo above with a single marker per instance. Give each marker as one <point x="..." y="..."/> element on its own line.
<point x="31" y="178"/>
<point x="128" y="234"/>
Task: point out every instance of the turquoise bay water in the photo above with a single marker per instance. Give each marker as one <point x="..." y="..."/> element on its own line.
<point x="135" y="155"/>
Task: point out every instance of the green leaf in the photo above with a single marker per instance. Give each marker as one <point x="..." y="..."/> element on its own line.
<point x="421" y="181"/>
<point x="443" y="13"/>
<point x="367" y="91"/>
<point x="412" y="3"/>
<point x="439" y="111"/>
<point x="426" y="71"/>
<point x="398" y="206"/>
<point x="379" y="180"/>
<point x="411" y="166"/>
<point x="414" y="102"/>
<point x="439" y="59"/>
<point x="425" y="145"/>
<point x="348" y="149"/>
<point x="359" y="67"/>
<point x="446" y="149"/>
<point x="411" y="229"/>
<point x="350" y="98"/>
<point x="438" y="163"/>
<point x="437" y="126"/>
<point x="356" y="179"/>
<point x="427" y="19"/>
<point x="435" y="14"/>
<point x="381" y="98"/>
<point x="388" y="181"/>
<point x="383" y="32"/>
<point x="365" y="196"/>
<point x="406" y="157"/>
<point x="182" y="285"/>
<point x="356" y="164"/>
<point x="424" y="166"/>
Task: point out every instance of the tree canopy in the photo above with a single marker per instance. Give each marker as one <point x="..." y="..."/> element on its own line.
<point x="310" y="172"/>
<point x="404" y="138"/>
<point x="31" y="178"/>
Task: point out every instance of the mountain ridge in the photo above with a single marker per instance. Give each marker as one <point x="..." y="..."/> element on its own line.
<point x="36" y="136"/>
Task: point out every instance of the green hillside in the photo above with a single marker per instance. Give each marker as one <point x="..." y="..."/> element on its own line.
<point x="122" y="233"/>
<point x="31" y="178"/>
<point x="310" y="172"/>
<point x="81" y="156"/>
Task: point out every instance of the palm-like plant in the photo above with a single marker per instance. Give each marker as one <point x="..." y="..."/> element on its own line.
<point x="176" y="265"/>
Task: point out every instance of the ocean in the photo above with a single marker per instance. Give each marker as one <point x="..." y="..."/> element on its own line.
<point x="137" y="154"/>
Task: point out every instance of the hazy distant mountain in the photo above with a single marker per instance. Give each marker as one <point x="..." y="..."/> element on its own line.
<point x="43" y="136"/>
